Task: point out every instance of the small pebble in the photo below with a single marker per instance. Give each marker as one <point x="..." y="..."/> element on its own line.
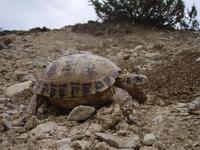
<point x="81" y="113"/>
<point x="148" y="148"/>
<point x="149" y="139"/>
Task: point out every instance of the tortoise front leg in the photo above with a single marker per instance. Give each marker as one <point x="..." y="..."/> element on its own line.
<point x="35" y="103"/>
<point x="126" y="102"/>
<point x="137" y="94"/>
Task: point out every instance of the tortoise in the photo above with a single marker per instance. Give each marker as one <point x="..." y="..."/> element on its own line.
<point x="86" y="79"/>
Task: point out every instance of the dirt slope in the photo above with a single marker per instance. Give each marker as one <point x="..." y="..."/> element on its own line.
<point x="170" y="59"/>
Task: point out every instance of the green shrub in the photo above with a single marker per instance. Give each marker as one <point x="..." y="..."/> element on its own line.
<point x="162" y="13"/>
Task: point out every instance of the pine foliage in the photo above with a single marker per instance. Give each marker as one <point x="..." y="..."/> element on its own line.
<point x="162" y="13"/>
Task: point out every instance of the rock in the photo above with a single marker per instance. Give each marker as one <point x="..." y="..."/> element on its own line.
<point x="76" y="134"/>
<point x="28" y="77"/>
<point x="40" y="63"/>
<point x="20" y="74"/>
<point x="159" y="46"/>
<point x="19" y="129"/>
<point x="137" y="48"/>
<point x="3" y="45"/>
<point x="12" y="106"/>
<point x="122" y="125"/>
<point x="148" y="148"/>
<point x="159" y="145"/>
<point x="110" y="121"/>
<point x="83" y="145"/>
<point x="63" y="141"/>
<point x="4" y="100"/>
<point x="2" y="88"/>
<point x="103" y="146"/>
<point x="17" y="88"/>
<point x="7" y="41"/>
<point x="149" y="139"/>
<point x="3" y="108"/>
<point x="81" y="113"/>
<point x="2" y="128"/>
<point x="74" y="131"/>
<point x="198" y="59"/>
<point x="21" y="108"/>
<point x="4" y="115"/>
<point x="64" y="144"/>
<point x="95" y="127"/>
<point x="6" y="124"/>
<point x="122" y="133"/>
<point x="12" y="112"/>
<point x="64" y="147"/>
<point x="21" y="138"/>
<point x="130" y="142"/>
<point x="194" y="106"/>
<point x="153" y="56"/>
<point x="126" y="56"/>
<point x="45" y="128"/>
<point x="5" y="143"/>
<point x="122" y="55"/>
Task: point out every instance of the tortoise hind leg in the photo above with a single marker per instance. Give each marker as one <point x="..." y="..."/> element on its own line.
<point x="35" y="103"/>
<point x="127" y="104"/>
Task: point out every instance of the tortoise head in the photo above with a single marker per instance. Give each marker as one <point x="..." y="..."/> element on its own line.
<point x="133" y="83"/>
<point x="132" y="80"/>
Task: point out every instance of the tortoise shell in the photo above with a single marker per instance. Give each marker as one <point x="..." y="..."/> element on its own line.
<point x="77" y="75"/>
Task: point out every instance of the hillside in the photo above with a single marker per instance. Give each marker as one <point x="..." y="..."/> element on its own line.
<point x="170" y="59"/>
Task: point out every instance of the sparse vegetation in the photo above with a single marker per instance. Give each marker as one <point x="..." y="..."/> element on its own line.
<point x="161" y="13"/>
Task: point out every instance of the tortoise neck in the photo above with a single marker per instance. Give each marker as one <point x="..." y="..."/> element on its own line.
<point x="120" y="80"/>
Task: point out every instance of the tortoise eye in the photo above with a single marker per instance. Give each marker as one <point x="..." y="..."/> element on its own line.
<point x="137" y="78"/>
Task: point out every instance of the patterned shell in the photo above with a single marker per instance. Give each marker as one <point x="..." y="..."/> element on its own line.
<point x="77" y="75"/>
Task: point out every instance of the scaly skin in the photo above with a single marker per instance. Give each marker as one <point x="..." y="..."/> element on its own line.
<point x="32" y="108"/>
<point x="125" y="101"/>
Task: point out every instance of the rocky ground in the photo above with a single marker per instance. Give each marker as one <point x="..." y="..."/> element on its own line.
<point x="170" y="59"/>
